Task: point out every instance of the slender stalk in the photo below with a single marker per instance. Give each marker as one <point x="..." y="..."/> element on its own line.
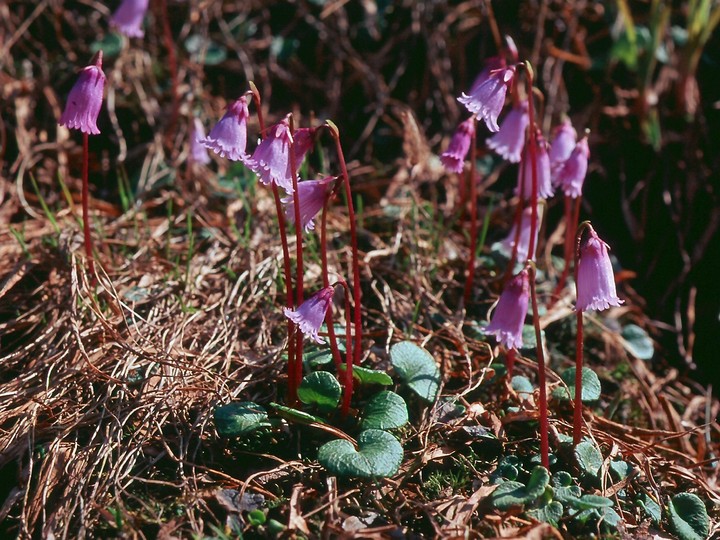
<point x="532" y="149"/>
<point x="298" y="254"/>
<point x="517" y="219"/>
<point x="326" y="282"/>
<point x="577" y="413"/>
<point x="544" y="426"/>
<point x="348" y="382"/>
<point x="510" y="362"/>
<point x="357" y="314"/>
<point x="85" y="205"/>
<point x="289" y="297"/>
<point x="473" y="222"/>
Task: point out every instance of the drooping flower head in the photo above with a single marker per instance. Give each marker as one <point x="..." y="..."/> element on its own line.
<point x="454" y="157"/>
<point x="595" y="279"/>
<point x="303" y="141"/>
<point x="525" y="173"/>
<point x="271" y="159"/>
<point x="510" y="140"/>
<point x="509" y="315"/>
<point x="311" y="194"/>
<point x="128" y="17"/>
<point x="311" y="313"/>
<point x="198" y="151"/>
<point x="571" y="175"/>
<point x="562" y="146"/>
<point x="491" y="64"/>
<point x="85" y="98"/>
<point x="524" y="238"/>
<point x="488" y="98"/>
<point x="228" y="138"/>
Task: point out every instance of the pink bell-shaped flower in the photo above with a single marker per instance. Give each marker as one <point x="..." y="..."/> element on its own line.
<point x="595" y="278"/>
<point x="454" y="157"/>
<point x="571" y="175"/>
<point x="198" y="151"/>
<point x="491" y="64"/>
<point x="562" y="146"/>
<point x="488" y="99"/>
<point x="228" y="138"/>
<point x="128" y="17"/>
<point x="311" y="313"/>
<point x="509" y="315"/>
<point x="271" y="159"/>
<point x="303" y="139"/>
<point x="85" y="99"/>
<point x="525" y="174"/>
<point x="510" y="140"/>
<point x="311" y="194"/>
<point x="524" y="238"/>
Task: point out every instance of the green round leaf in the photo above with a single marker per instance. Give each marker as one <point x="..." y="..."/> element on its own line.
<point x="549" y="513"/>
<point x="590" y="386"/>
<point x="235" y="419"/>
<point x="539" y="479"/>
<point x="521" y="385"/>
<point x="370" y="376"/>
<point x="620" y="469"/>
<point x="689" y="517"/>
<point x="589" y="458"/>
<point x="509" y="494"/>
<point x="320" y="388"/>
<point x="386" y="410"/>
<point x="637" y="342"/>
<point x="417" y="369"/>
<point x="379" y="455"/>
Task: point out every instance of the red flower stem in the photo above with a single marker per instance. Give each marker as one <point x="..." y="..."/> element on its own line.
<point x="172" y="66"/>
<point x="518" y="222"/>
<point x="348" y="383"/>
<point x="85" y="206"/>
<point x="577" y="413"/>
<point x="355" y="260"/>
<point x="544" y="426"/>
<point x="510" y="362"/>
<point x="337" y="358"/>
<point x="289" y="298"/>
<point x="462" y="181"/>
<point x="473" y="222"/>
<point x="532" y="137"/>
<point x="298" y="255"/>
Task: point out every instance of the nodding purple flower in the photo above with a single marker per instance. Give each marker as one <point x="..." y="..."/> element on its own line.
<point x="571" y="175"/>
<point x="562" y="146"/>
<point x="454" y="157"/>
<point x="311" y="313"/>
<point x="311" y="194"/>
<point x="491" y="64"/>
<point x="303" y="139"/>
<point x="488" y="99"/>
<point x="128" y="17"/>
<point x="271" y="159"/>
<point x="228" y="138"/>
<point x="85" y="99"/>
<point x="509" y="315"/>
<point x="198" y="151"/>
<point x="510" y="140"/>
<point x="524" y="238"/>
<point x="525" y="174"/>
<point x="595" y="279"/>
